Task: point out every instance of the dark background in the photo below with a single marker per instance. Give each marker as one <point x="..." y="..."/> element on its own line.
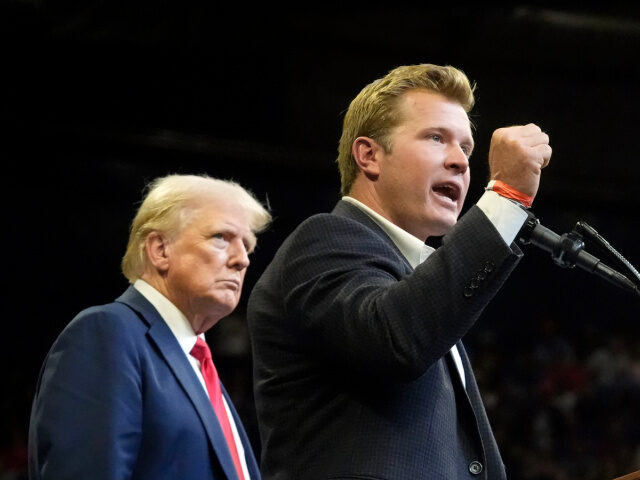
<point x="101" y="97"/>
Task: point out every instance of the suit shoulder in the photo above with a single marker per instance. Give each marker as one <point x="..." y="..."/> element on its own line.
<point x="115" y="312"/>
<point x="105" y="338"/>
<point x="331" y="243"/>
<point x="113" y="320"/>
<point x="329" y="229"/>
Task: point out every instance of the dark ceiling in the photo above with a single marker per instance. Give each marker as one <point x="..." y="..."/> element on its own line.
<point x="256" y="86"/>
<point x="102" y="96"/>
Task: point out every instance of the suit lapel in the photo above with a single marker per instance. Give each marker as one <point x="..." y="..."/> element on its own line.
<point x="486" y="437"/>
<point x="252" y="464"/>
<point x="473" y="393"/>
<point x="466" y="397"/>
<point x="160" y="334"/>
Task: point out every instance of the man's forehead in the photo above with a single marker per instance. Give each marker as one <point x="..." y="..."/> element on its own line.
<point x="430" y="99"/>
<point x="435" y="109"/>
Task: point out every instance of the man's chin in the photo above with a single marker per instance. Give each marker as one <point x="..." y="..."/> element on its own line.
<point x="220" y="306"/>
<point x="443" y="227"/>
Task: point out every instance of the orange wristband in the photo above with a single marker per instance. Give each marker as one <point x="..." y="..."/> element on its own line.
<point x="507" y="191"/>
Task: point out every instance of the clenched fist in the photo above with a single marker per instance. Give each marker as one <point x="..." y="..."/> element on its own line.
<point x="517" y="156"/>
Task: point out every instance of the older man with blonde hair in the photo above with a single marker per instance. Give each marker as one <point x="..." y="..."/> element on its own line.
<point x="128" y="390"/>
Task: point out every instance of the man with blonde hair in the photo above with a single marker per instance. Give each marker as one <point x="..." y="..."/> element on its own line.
<point x="356" y="325"/>
<point x="128" y="390"/>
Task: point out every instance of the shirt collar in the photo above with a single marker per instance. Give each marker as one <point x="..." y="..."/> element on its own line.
<point x="173" y="317"/>
<point x="413" y="249"/>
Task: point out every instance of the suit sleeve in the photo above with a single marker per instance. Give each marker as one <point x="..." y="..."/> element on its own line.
<point x="357" y="308"/>
<point x="86" y="417"/>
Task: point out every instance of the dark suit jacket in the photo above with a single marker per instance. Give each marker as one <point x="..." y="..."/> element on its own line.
<point x="118" y="399"/>
<point x="352" y="375"/>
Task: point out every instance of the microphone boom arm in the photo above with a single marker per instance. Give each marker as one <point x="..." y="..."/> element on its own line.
<point x="567" y="251"/>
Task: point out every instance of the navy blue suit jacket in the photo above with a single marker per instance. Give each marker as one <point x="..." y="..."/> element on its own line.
<point x="118" y="399"/>
<point x="353" y="379"/>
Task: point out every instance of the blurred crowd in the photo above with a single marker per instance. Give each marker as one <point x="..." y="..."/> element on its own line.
<point x="563" y="404"/>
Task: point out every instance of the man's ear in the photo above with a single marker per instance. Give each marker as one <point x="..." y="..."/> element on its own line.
<point x="157" y="248"/>
<point x="365" y="152"/>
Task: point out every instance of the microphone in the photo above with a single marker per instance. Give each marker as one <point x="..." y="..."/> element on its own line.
<point x="567" y="251"/>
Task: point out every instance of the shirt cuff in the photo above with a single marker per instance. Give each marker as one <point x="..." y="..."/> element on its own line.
<point x="506" y="216"/>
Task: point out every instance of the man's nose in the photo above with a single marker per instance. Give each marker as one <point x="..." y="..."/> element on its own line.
<point x="457" y="159"/>
<point x="238" y="255"/>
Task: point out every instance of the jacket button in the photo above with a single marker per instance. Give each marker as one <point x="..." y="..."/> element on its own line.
<point x="489" y="266"/>
<point x="468" y="292"/>
<point x="475" y="467"/>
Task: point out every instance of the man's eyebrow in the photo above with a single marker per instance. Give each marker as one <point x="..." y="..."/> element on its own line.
<point x="252" y="240"/>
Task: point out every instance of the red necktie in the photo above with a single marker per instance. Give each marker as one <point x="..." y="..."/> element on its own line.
<point x="203" y="354"/>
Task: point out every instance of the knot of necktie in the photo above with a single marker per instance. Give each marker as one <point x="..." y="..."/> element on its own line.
<point x="201" y="351"/>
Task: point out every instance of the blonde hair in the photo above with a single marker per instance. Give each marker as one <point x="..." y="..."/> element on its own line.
<point x="373" y="112"/>
<point x="168" y="205"/>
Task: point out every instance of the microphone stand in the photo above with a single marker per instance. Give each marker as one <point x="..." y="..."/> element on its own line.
<point x="567" y="251"/>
